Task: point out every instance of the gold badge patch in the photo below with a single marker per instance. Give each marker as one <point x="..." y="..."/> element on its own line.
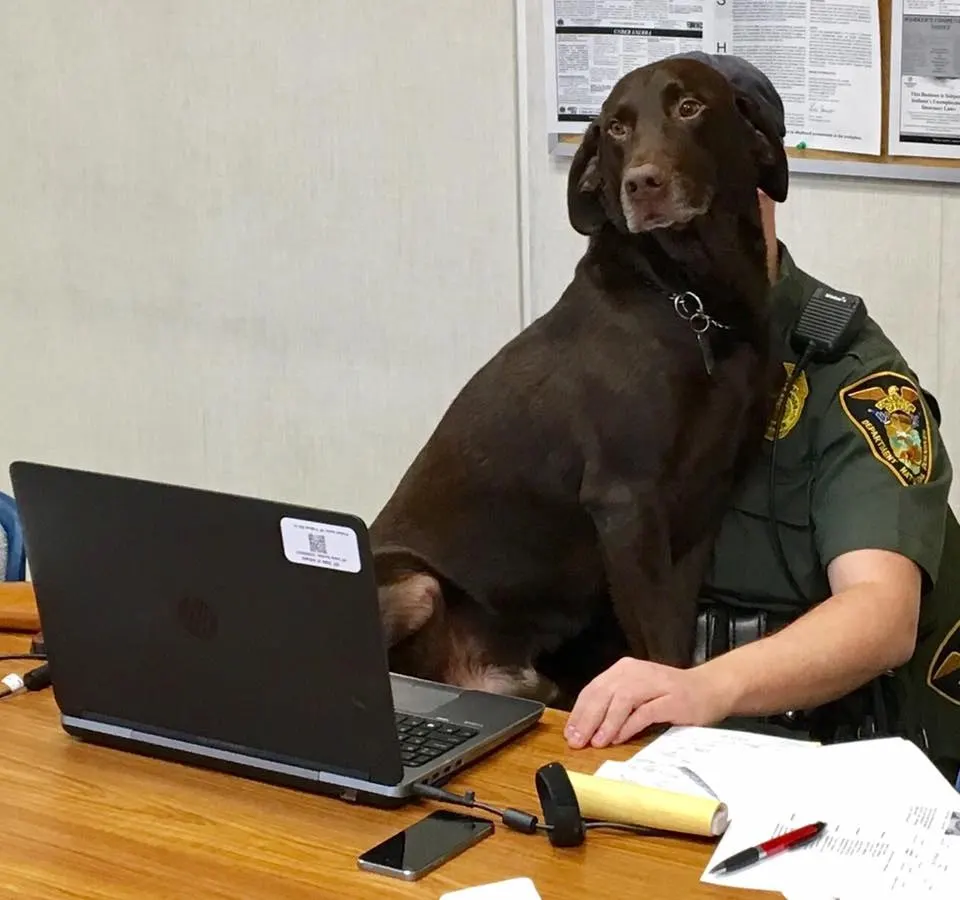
<point x="943" y="676"/>
<point x="888" y="411"/>
<point x="795" y="403"/>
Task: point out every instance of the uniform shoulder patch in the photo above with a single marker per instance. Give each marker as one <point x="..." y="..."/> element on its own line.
<point x="943" y="676"/>
<point x="888" y="410"/>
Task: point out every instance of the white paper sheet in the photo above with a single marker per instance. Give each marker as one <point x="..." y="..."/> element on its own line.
<point x="690" y="745"/>
<point x="823" y="58"/>
<point x="738" y="766"/>
<point x="925" y="79"/>
<point x="652" y="773"/>
<point x="874" y="851"/>
<point x="591" y="44"/>
<point x="891" y="818"/>
<point x="892" y="768"/>
<point x="511" y="889"/>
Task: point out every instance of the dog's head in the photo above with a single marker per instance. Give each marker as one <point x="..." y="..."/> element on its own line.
<point x="672" y="139"/>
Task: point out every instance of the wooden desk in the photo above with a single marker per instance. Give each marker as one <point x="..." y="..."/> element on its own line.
<point x="18" y="607"/>
<point x="81" y="821"/>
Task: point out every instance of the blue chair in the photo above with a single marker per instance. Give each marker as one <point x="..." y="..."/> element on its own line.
<point x="13" y="555"/>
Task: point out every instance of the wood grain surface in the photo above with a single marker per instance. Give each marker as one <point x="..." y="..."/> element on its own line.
<point x="18" y="607"/>
<point x="86" y="822"/>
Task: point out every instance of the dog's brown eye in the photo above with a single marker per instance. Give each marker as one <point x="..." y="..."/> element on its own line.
<point x="689" y="108"/>
<point x="617" y="129"/>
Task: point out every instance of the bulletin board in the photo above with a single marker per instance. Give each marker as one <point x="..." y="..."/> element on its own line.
<point x="819" y="162"/>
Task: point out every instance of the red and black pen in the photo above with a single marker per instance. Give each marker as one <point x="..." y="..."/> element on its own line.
<point x="788" y="841"/>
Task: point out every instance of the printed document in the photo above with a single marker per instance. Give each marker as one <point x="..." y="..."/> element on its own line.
<point x="893" y="821"/>
<point x="662" y="776"/>
<point x="871" y="850"/>
<point x="591" y="44"/>
<point x="737" y="767"/>
<point x="925" y="79"/>
<point x="823" y="58"/>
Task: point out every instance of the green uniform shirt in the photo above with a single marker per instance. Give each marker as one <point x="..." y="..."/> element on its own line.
<point x="860" y="464"/>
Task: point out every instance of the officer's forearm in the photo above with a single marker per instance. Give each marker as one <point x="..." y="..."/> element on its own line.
<point x="835" y="648"/>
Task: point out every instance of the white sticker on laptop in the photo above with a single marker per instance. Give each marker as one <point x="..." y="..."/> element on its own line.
<point x="321" y="545"/>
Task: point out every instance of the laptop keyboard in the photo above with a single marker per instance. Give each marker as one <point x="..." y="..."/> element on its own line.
<point x="423" y="740"/>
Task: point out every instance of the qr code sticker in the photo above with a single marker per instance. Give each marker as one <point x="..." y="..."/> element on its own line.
<point x="320" y="544"/>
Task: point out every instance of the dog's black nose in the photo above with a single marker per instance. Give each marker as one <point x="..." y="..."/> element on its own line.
<point x="643" y="180"/>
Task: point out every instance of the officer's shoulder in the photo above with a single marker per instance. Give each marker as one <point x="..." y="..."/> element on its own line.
<point x="868" y="350"/>
<point x="872" y="349"/>
<point x="869" y="363"/>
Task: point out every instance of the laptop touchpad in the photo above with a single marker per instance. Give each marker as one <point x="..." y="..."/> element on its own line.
<point x="421" y="699"/>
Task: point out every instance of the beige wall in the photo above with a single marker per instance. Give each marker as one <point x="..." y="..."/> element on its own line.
<point x="259" y="246"/>
<point x="251" y="245"/>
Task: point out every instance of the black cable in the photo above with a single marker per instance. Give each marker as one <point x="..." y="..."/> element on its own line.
<point x="773" y="523"/>
<point x="515" y="819"/>
<point x="622" y="826"/>
<point x="37" y="679"/>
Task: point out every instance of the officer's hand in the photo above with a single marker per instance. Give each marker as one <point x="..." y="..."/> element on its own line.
<point x="634" y="694"/>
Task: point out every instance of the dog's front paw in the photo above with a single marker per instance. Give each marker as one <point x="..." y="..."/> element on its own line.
<point x="524" y="682"/>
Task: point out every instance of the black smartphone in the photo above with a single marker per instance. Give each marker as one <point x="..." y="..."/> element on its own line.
<point x="425" y="845"/>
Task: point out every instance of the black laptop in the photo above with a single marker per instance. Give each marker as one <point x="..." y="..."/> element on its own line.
<point x="237" y="634"/>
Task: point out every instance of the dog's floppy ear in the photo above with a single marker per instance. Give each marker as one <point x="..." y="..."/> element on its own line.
<point x="772" y="156"/>
<point x="584" y="205"/>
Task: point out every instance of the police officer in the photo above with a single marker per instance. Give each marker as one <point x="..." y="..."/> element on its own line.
<point x="843" y="620"/>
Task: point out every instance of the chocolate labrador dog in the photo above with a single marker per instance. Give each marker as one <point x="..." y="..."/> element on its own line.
<point x="589" y="462"/>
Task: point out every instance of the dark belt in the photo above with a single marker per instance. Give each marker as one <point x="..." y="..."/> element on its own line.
<point x="869" y="711"/>
<point x="721" y="628"/>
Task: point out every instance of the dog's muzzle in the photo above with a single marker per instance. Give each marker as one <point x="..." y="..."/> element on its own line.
<point x="653" y="197"/>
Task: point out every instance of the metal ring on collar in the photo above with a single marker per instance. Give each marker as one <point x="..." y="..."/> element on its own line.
<point x="700" y="322"/>
<point x="687" y="305"/>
